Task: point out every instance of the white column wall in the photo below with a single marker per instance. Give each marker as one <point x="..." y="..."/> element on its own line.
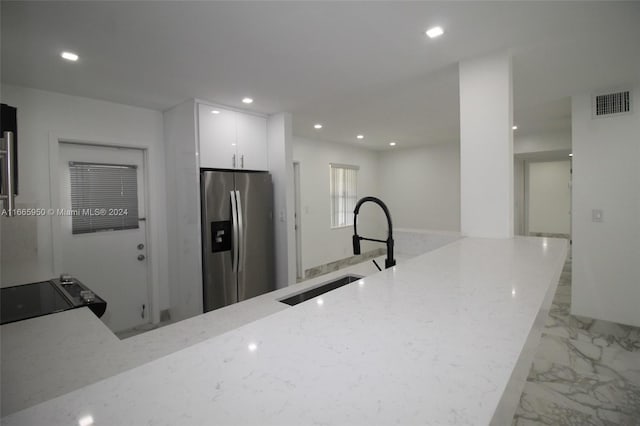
<point x="183" y="210"/>
<point x="486" y="147"/>
<point x="280" y="155"/>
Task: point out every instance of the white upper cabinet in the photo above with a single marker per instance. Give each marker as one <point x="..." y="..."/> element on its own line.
<point x="217" y="137"/>
<point x="231" y="139"/>
<point x="252" y="142"/>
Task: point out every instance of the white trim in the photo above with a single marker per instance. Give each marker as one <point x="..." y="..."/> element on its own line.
<point x="298" y="219"/>
<point x="340" y="227"/>
<point x="343" y="166"/>
<point x="527" y="194"/>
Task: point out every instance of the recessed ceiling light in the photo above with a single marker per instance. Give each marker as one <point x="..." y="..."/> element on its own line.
<point x="435" y="32"/>
<point x="571" y="155"/>
<point x="85" y="421"/>
<point x="69" y="56"/>
<point x="317" y="126"/>
<point x="514" y="127"/>
<point x="215" y="111"/>
<point x="360" y="137"/>
<point x="247" y="100"/>
<point x="392" y="143"/>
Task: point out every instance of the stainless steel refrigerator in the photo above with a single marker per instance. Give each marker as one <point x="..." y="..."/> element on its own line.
<point x="237" y="240"/>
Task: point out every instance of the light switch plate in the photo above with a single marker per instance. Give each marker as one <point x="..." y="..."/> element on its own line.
<point x="596" y="215"/>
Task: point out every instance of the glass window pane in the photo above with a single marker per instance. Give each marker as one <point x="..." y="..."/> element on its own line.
<point x="343" y="193"/>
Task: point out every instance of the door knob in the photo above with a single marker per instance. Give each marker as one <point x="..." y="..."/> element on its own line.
<point x="140" y="246"/>
<point x="141" y="257"/>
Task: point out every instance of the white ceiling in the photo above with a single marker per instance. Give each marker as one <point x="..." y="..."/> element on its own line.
<point x="356" y="67"/>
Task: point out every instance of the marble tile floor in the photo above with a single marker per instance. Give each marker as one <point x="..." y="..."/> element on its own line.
<point x="585" y="372"/>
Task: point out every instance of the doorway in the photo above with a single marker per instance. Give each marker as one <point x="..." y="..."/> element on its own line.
<point x="542" y="194"/>
<point x="102" y="219"/>
<point x="549" y="198"/>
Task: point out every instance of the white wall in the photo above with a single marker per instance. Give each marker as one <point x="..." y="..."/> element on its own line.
<point x="606" y="176"/>
<point x="486" y="147"/>
<point x="320" y="243"/>
<point x="280" y="152"/>
<point x="542" y="142"/>
<point x="421" y="186"/>
<point x="28" y="256"/>
<point x="549" y="201"/>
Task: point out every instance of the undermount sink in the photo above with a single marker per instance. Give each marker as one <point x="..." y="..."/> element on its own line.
<point x="320" y="289"/>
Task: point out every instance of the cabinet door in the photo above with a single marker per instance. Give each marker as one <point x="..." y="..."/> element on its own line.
<point x="252" y="142"/>
<point x="217" y="137"/>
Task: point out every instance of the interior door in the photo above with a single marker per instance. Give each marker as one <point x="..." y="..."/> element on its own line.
<point x="103" y="241"/>
<point x="549" y="197"/>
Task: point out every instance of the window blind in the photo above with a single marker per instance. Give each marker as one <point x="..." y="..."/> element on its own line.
<point x="343" y="192"/>
<point x="104" y="197"/>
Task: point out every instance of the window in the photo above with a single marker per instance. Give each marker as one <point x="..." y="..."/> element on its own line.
<point x="104" y="197"/>
<point x="343" y="192"/>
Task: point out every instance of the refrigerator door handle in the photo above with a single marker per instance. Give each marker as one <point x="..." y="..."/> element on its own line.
<point x="234" y="232"/>
<point x="240" y="262"/>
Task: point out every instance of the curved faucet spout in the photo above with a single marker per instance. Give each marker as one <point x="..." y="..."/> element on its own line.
<point x="389" y="261"/>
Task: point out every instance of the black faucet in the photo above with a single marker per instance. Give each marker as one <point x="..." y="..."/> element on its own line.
<point x="389" y="261"/>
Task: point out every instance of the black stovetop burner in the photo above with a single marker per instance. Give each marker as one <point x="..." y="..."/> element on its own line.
<point x="26" y="301"/>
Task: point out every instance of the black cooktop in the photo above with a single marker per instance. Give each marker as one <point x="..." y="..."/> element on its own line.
<point x="47" y="297"/>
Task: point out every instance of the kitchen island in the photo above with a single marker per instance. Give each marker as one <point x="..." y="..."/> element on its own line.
<point x="444" y="338"/>
<point x="49" y="356"/>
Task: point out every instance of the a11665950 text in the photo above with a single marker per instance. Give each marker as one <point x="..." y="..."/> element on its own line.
<point x="65" y="212"/>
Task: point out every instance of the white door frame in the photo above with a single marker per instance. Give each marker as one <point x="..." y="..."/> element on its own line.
<point x="520" y="195"/>
<point x="153" y="294"/>
<point x="298" y="219"/>
<point x="526" y="182"/>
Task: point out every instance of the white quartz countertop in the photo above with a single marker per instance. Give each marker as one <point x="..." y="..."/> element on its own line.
<point x="432" y="341"/>
<point x="52" y="355"/>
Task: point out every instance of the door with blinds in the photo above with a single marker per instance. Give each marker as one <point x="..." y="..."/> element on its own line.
<point x="103" y="236"/>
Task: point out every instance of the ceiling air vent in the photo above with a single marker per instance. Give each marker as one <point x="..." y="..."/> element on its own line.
<point x="612" y="103"/>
